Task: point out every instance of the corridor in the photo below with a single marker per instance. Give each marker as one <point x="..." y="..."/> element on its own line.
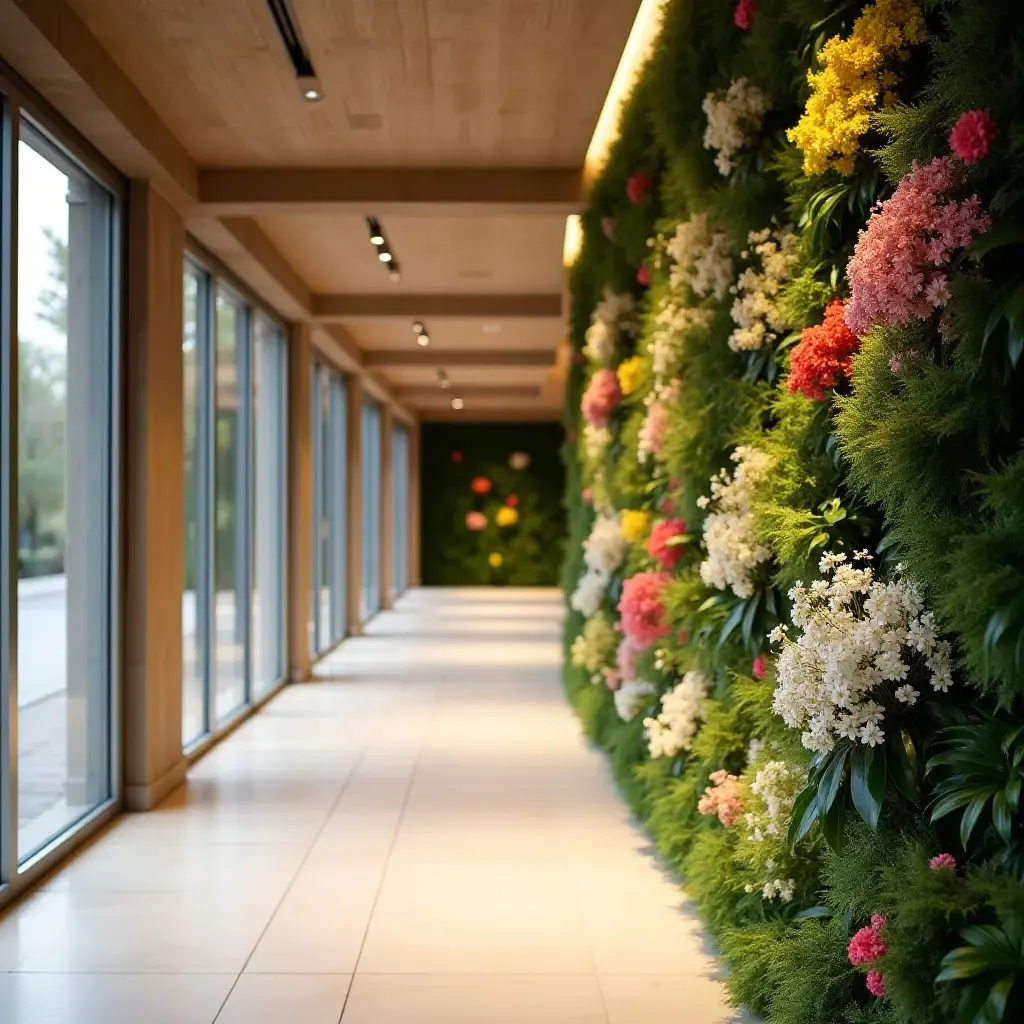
<point x="419" y="835"/>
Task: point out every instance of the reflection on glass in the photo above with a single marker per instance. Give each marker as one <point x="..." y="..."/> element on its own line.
<point x="269" y="487"/>
<point x="371" y="508"/>
<point x="325" y="533"/>
<point x="400" y="511"/>
<point x="337" y="509"/>
<point x="193" y="719"/>
<point x="230" y="486"/>
<point x="64" y="493"/>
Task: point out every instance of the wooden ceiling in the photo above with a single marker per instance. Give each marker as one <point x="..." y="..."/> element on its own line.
<point x="461" y="124"/>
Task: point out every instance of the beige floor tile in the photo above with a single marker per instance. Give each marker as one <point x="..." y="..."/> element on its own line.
<point x="474" y="999"/>
<point x="112" y="998"/>
<point x="286" y="999"/>
<point x="667" y="999"/>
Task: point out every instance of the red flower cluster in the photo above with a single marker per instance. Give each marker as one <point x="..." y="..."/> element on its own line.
<point x="759" y="669"/>
<point x="658" y="546"/>
<point x="643" y="609"/>
<point x="972" y="135"/>
<point x="512" y="500"/>
<point x="743" y="16"/>
<point x="823" y="354"/>
<point x="867" y="944"/>
<point x="456" y="457"/>
<point x="638" y="186"/>
<point x="480" y="485"/>
<point x="643" y="275"/>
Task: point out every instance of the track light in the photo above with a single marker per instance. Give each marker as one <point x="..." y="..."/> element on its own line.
<point x="394" y="274"/>
<point x="417" y="327"/>
<point x="376" y="235"/>
<point x="313" y="95"/>
<point x="458" y="403"/>
<point x="424" y="340"/>
<point x="385" y="256"/>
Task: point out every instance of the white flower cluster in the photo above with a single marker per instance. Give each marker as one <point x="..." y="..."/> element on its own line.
<point x="757" y="310"/>
<point x="613" y="315"/>
<point x="733" y="551"/>
<point x="605" y="548"/>
<point x="595" y="647"/>
<point x="672" y="322"/>
<point x="733" y="116"/>
<point x="701" y="258"/>
<point x="773" y="793"/>
<point x="682" y="710"/>
<point x="630" y="697"/>
<point x="595" y="441"/>
<point x="590" y="592"/>
<point x="862" y="645"/>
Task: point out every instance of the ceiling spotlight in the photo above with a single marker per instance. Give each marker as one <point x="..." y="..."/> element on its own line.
<point x="376" y="235"/>
<point x="458" y="403"/>
<point x="445" y="384"/>
<point x="417" y="327"/>
<point x="312" y="95"/>
<point x="424" y="340"/>
<point x="385" y="257"/>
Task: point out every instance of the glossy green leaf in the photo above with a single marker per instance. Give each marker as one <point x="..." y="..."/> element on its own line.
<point x="734" y="619"/>
<point x="994" y="1009"/>
<point x="833" y="824"/>
<point x="867" y="782"/>
<point x="831" y="779"/>
<point x="970" y="818"/>
<point x="902" y="764"/>
<point x="805" y="813"/>
<point x="1001" y="816"/>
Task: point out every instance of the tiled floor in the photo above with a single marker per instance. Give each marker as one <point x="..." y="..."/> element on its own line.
<point x="420" y="836"/>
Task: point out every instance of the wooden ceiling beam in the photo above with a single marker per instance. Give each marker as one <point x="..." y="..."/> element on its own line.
<point x="378" y="191"/>
<point x="453" y="359"/>
<point x="349" y="308"/>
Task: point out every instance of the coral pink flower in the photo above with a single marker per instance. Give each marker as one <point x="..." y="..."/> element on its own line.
<point x="724" y="797"/>
<point x="972" y="135"/>
<point x="943" y="862"/>
<point x="638" y="186"/>
<point x="823" y="354"/>
<point x="875" y="983"/>
<point x="658" y="546"/>
<point x="626" y="658"/>
<point x="476" y="521"/>
<point x="743" y="16"/>
<point x="898" y="270"/>
<point x="643" y="275"/>
<point x="587" y="496"/>
<point x="867" y="945"/>
<point x="654" y="429"/>
<point x="642" y="607"/>
<point x="760" y="667"/>
<point x="480" y="485"/>
<point x="603" y="394"/>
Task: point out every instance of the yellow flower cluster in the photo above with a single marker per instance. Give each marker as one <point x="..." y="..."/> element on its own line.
<point x="854" y="76"/>
<point x="635" y="524"/>
<point x="631" y="375"/>
<point x="506" y="516"/>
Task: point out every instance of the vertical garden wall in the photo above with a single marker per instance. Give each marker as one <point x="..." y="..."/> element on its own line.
<point x="492" y="503"/>
<point x="795" y="567"/>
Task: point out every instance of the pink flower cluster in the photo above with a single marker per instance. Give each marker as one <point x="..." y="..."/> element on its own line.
<point x="642" y="608"/>
<point x="943" y="862"/>
<point x="638" y="186"/>
<point x="759" y="669"/>
<point x="972" y="135"/>
<point x="898" y="269"/>
<point x="654" y="430"/>
<point x="875" y="983"/>
<point x="658" y="546"/>
<point x="743" y="16"/>
<point x="867" y="944"/>
<point x="724" y="797"/>
<point x="601" y="397"/>
<point x="626" y="658"/>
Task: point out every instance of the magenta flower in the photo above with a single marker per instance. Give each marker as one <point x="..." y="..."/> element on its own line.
<point x="642" y="608"/>
<point x="601" y="397"/>
<point x="943" y="862"/>
<point x="743" y="16"/>
<point x="658" y="546"/>
<point x="760" y="667"/>
<point x="972" y="135"/>
<point x="638" y="186"/>
<point x="898" y="270"/>
<point x="875" y="983"/>
<point x="643" y="275"/>
<point x="626" y="657"/>
<point x="867" y="945"/>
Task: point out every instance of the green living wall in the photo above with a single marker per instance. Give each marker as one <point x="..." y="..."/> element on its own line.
<point x="492" y="504"/>
<point x="795" y="479"/>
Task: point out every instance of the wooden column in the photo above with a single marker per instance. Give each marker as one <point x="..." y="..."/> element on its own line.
<point x="300" y="502"/>
<point x="354" y="436"/>
<point x="387" y="507"/>
<point x="415" y="576"/>
<point x="154" y="501"/>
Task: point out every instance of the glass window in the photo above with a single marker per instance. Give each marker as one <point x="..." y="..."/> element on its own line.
<point x="195" y="599"/>
<point x="330" y="494"/>
<point x="65" y="491"/>
<point x="371" y="454"/>
<point x="270" y="491"/>
<point x="400" y="507"/>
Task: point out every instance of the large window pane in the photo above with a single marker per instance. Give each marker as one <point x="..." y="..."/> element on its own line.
<point x="371" y="508"/>
<point x="338" y="512"/>
<point x="65" y="493"/>
<point x="400" y="511"/>
<point x="194" y="604"/>
<point x="231" y="537"/>
<point x="269" y="488"/>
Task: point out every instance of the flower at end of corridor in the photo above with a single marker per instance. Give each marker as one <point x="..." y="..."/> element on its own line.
<point x="476" y="521"/>
<point x="635" y="523"/>
<point x="512" y="501"/>
<point x="506" y="516"/>
<point x="519" y="460"/>
<point x="457" y="457"/>
<point x="972" y="135"/>
<point x="480" y="485"/>
<point x="494" y="560"/>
